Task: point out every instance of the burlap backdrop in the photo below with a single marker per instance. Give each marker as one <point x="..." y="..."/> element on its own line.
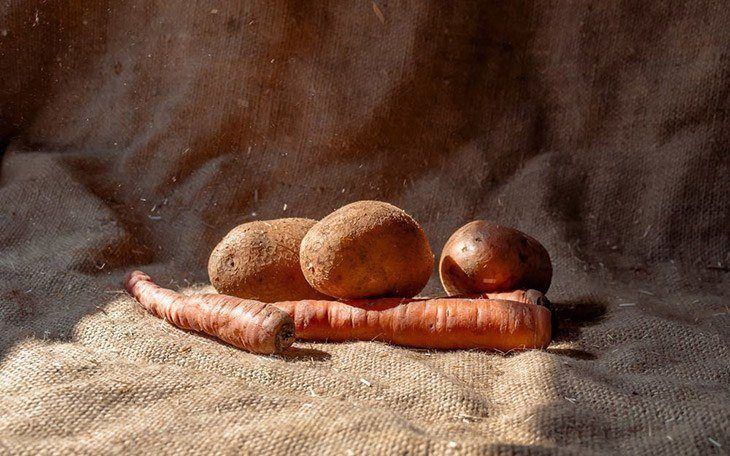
<point x="137" y="133"/>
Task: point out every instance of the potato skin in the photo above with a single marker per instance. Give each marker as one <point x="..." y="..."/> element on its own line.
<point x="483" y="256"/>
<point x="260" y="260"/>
<point x="367" y="249"/>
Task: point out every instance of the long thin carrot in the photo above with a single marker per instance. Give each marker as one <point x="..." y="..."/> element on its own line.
<point x="246" y="324"/>
<point x="441" y="323"/>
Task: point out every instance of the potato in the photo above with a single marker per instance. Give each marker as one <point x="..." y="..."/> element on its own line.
<point x="367" y="249"/>
<point x="260" y="260"/>
<point x="483" y="257"/>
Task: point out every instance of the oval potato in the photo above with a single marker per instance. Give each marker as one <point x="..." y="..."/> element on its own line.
<point x="482" y="257"/>
<point x="367" y="249"/>
<point x="260" y="260"/>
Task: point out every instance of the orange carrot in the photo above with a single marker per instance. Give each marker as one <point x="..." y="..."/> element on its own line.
<point x="441" y="323"/>
<point x="250" y="325"/>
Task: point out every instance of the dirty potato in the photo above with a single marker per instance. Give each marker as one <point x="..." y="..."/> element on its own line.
<point x="367" y="249"/>
<point x="260" y="260"/>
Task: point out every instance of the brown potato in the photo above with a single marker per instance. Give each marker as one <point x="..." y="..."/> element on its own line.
<point x="367" y="249"/>
<point x="260" y="260"/>
<point x="482" y="257"/>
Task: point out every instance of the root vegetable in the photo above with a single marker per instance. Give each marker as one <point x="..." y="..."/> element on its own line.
<point x="260" y="260"/>
<point x="526" y="296"/>
<point x="441" y="323"/>
<point x="483" y="257"/>
<point x="367" y="249"/>
<point x="250" y="325"/>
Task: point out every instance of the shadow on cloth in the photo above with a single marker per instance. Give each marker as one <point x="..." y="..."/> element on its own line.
<point x="297" y="354"/>
<point x="38" y="305"/>
<point x="569" y="318"/>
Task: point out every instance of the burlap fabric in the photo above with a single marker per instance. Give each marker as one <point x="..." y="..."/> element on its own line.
<point x="137" y="133"/>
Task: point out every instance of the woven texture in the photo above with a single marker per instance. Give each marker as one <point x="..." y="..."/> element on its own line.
<point x="137" y="133"/>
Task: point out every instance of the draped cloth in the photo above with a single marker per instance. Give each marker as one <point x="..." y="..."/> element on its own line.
<point x="135" y="134"/>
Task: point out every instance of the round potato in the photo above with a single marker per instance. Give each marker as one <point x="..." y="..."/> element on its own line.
<point x="260" y="260"/>
<point x="483" y="257"/>
<point x="367" y="249"/>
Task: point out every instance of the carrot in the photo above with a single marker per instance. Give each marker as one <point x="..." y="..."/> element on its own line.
<point x="526" y="296"/>
<point x="246" y="324"/>
<point x="440" y="323"/>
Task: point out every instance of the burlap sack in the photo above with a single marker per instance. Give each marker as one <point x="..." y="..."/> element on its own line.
<point x="137" y="133"/>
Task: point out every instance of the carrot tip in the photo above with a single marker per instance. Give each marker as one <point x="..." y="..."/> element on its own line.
<point x="538" y="298"/>
<point x="285" y="337"/>
<point x="132" y="277"/>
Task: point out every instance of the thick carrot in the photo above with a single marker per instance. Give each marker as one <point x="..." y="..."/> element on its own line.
<point x="246" y="324"/>
<point x="441" y="323"/>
